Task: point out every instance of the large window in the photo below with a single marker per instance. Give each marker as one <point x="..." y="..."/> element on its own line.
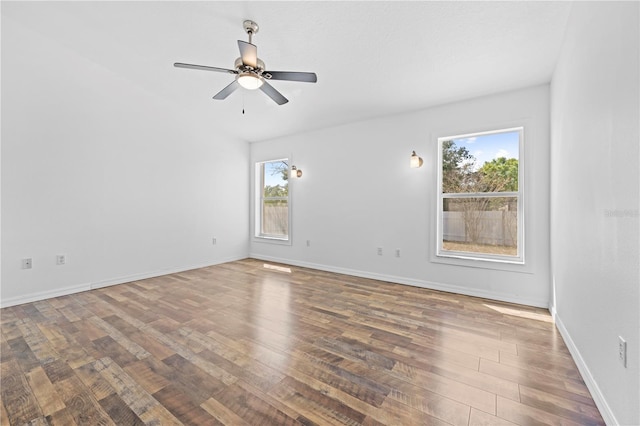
<point x="272" y="212"/>
<point x="480" y="208"/>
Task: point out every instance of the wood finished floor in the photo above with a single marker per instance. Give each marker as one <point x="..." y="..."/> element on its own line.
<point x="241" y="343"/>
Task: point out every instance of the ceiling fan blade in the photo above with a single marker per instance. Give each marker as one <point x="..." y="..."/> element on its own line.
<point x="307" y="77"/>
<point x="227" y="90"/>
<point x="273" y="93"/>
<point x="203" y="68"/>
<point x="249" y="54"/>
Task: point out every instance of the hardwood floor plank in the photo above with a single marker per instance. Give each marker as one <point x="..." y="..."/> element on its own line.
<point x="48" y="311"/>
<point x="221" y="413"/>
<point x="585" y="414"/>
<point x="18" y="399"/>
<point x="202" y="385"/>
<point x="122" y="339"/>
<point x="57" y="370"/>
<point x="4" y="416"/>
<point x="150" y="381"/>
<point x="522" y="414"/>
<point x="448" y="410"/>
<point x="97" y="384"/>
<point x="480" y="418"/>
<point x="417" y="352"/>
<point x="152" y="345"/>
<point x="44" y="391"/>
<point x="542" y="366"/>
<point x="314" y="405"/>
<point x="554" y="386"/>
<point x="115" y="351"/>
<point x="65" y="345"/>
<point x="477" y="379"/>
<point x="61" y="418"/>
<point x="273" y="402"/>
<point x="119" y="411"/>
<point x="81" y="404"/>
<point x="416" y="412"/>
<point x="23" y="354"/>
<point x="261" y="376"/>
<point x="90" y="331"/>
<point x="251" y="342"/>
<point x="134" y="395"/>
<point x="182" y="407"/>
<point x="251" y="408"/>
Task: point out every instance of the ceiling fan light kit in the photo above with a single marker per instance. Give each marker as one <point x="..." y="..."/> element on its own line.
<point x="249" y="80"/>
<point x="251" y="72"/>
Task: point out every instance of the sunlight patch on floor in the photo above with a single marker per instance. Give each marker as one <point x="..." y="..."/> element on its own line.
<point x="521" y="313"/>
<point x="277" y="268"/>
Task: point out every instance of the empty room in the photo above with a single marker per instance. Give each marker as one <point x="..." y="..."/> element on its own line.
<point x="320" y="213"/>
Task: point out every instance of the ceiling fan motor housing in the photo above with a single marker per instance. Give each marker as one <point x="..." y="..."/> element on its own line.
<point x="241" y="67"/>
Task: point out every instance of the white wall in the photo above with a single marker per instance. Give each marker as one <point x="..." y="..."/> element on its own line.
<point x="358" y="193"/>
<point x="595" y="200"/>
<point x="119" y="180"/>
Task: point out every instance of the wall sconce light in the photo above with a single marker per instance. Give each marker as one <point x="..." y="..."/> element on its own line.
<point x="415" y="161"/>
<point x="295" y="173"/>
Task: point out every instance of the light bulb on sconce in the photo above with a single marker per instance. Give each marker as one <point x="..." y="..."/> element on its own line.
<point x="295" y="172"/>
<point x="415" y="161"/>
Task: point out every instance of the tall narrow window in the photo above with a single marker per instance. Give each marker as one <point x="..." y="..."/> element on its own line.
<point x="480" y="212"/>
<point x="272" y="213"/>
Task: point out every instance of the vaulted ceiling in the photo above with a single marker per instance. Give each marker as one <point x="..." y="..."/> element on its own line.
<point x="372" y="58"/>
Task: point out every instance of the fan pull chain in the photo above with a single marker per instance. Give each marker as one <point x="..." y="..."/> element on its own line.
<point x="243" y="103"/>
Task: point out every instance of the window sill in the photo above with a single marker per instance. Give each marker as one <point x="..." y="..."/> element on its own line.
<point x="498" y="264"/>
<point x="272" y="240"/>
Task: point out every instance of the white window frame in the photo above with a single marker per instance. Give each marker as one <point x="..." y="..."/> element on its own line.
<point x="259" y="199"/>
<point x="519" y="195"/>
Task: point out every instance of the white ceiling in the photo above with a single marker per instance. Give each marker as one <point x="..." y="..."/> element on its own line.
<point x="372" y="58"/>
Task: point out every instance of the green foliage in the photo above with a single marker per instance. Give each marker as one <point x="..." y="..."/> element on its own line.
<point x="500" y="174"/>
<point x="276" y="191"/>
<point x="457" y="168"/>
<point x="459" y="172"/>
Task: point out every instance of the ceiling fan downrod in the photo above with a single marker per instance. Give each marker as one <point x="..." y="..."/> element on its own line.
<point x="250" y="28"/>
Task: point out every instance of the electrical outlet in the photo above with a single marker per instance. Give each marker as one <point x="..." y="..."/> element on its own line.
<point x="379" y="251"/>
<point x="214" y="241"/>
<point x="308" y="243"/>
<point x="397" y="252"/>
<point x="27" y="263"/>
<point x="622" y="351"/>
<point x="61" y="259"/>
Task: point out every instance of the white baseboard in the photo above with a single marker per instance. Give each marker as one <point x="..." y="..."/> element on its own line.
<point x="607" y="415"/>
<point x="42" y="295"/>
<point x="409" y="281"/>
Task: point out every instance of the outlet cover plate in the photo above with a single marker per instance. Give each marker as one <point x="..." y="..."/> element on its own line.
<point x="622" y="351"/>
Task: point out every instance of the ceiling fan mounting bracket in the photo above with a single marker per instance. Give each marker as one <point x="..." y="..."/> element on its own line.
<point x="250" y="27"/>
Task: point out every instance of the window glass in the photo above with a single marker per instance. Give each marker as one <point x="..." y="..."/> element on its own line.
<point x="273" y="210"/>
<point x="479" y="206"/>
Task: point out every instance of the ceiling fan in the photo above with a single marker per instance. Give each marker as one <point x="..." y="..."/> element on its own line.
<point x="250" y="71"/>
